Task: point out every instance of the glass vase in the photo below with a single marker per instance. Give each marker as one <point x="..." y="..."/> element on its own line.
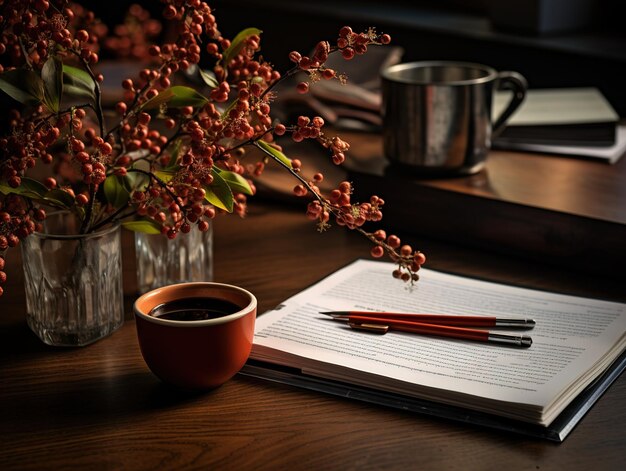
<point x="161" y="261"/>
<point x="73" y="283"/>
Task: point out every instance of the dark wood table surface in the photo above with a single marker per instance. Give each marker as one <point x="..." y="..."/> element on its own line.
<point x="99" y="407"/>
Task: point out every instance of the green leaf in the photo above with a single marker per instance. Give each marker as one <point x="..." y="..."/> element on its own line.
<point x="33" y="186"/>
<point x="59" y="198"/>
<point x="29" y="188"/>
<point x="164" y="176"/>
<point x="176" y="97"/>
<point x="78" y="92"/>
<point x="219" y="193"/>
<point x="236" y="182"/>
<point x="208" y="78"/>
<point x="115" y="192"/>
<point x="6" y="189"/>
<point x="78" y="76"/>
<point x="23" y="85"/>
<point x="141" y="164"/>
<point x="52" y="75"/>
<point x="36" y="191"/>
<point x="275" y="153"/>
<point x="172" y="165"/>
<point x="186" y="96"/>
<point x="155" y="102"/>
<point x="78" y="82"/>
<point x="147" y="226"/>
<point x="237" y="44"/>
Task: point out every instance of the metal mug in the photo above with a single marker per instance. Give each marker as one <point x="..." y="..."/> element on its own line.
<point x="437" y="115"/>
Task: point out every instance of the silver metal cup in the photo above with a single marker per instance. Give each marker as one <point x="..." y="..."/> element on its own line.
<point x="437" y="115"/>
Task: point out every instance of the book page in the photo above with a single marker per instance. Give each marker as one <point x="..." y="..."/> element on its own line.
<point x="573" y="340"/>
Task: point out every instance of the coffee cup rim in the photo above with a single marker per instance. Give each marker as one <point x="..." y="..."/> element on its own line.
<point x="190" y="286"/>
<point x="388" y="73"/>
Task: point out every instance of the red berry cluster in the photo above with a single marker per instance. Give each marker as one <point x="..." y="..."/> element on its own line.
<point x="351" y="43"/>
<point x="193" y="19"/>
<point x="169" y="155"/>
<point x="23" y="147"/>
<point x="348" y="44"/>
<point x="354" y="216"/>
<point x="410" y="261"/>
<point x="307" y="128"/>
<point x="175" y="213"/>
<point x="17" y="221"/>
<point x="3" y="275"/>
<point x="33" y="29"/>
<point x="92" y="155"/>
<point x="244" y="66"/>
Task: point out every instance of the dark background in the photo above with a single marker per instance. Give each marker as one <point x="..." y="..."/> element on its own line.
<point x="528" y="36"/>
<point x="589" y="53"/>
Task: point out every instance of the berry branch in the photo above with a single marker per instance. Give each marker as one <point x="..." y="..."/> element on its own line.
<point x="176" y="155"/>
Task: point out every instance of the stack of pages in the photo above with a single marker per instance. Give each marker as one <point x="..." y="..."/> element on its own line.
<point x="575" y="341"/>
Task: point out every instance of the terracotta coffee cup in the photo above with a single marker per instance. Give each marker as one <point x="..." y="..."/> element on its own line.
<point x="196" y="354"/>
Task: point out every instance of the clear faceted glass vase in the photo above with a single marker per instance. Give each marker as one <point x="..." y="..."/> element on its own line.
<point x="161" y="261"/>
<point x="73" y="283"/>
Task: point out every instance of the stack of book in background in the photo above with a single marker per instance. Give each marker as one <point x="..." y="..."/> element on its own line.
<point x="570" y="121"/>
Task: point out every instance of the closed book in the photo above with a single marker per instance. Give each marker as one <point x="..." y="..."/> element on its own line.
<point x="569" y="116"/>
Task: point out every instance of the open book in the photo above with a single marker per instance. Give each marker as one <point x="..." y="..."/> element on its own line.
<point x="575" y="341"/>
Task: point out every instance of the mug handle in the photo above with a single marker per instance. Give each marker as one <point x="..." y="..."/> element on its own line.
<point x="508" y="80"/>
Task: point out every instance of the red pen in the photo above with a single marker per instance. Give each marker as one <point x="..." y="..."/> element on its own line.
<point x="439" y="319"/>
<point x="406" y="323"/>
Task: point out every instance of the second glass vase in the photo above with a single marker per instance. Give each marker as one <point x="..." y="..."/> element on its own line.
<point x="160" y="261"/>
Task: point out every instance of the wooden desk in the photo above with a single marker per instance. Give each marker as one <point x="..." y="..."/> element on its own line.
<point x="99" y="407"/>
<point x="568" y="212"/>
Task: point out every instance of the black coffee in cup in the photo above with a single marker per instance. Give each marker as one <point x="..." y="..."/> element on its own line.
<point x="194" y="309"/>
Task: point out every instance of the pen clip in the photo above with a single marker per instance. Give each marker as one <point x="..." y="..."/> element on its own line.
<point x="377" y="328"/>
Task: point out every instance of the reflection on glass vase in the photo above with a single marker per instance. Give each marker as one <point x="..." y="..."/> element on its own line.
<point x="160" y="261"/>
<point x="73" y="283"/>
